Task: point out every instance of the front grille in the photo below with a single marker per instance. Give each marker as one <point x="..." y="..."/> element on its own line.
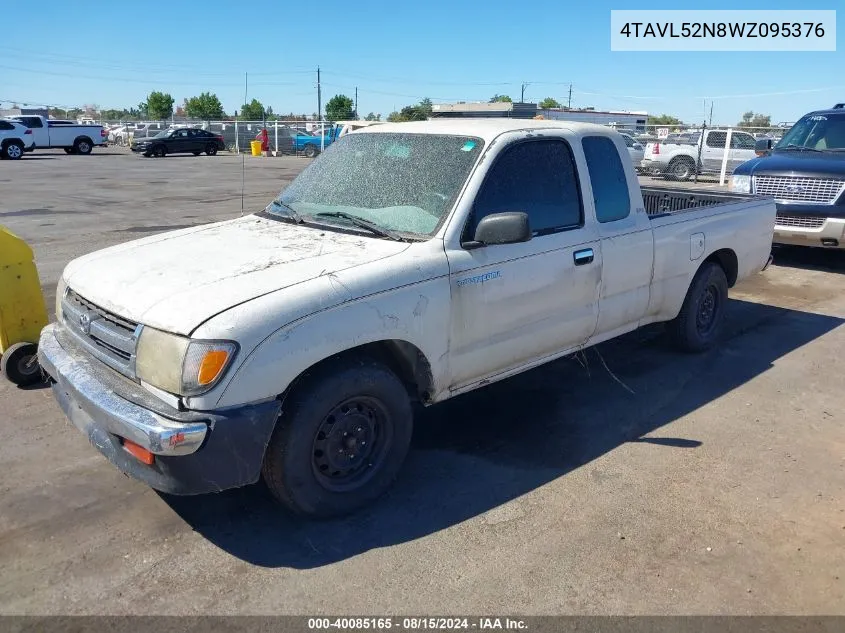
<point x="799" y="189"/>
<point x="800" y="221"/>
<point x="110" y="338"/>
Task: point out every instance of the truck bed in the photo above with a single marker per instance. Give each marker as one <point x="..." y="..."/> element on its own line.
<point x="662" y="201"/>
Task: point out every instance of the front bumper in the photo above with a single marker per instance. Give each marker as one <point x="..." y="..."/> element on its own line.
<point x="195" y="452"/>
<point x="831" y="234"/>
<point x="140" y="148"/>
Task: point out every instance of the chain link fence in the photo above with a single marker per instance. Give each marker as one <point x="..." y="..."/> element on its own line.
<point x="671" y="152"/>
<point x="285" y="137"/>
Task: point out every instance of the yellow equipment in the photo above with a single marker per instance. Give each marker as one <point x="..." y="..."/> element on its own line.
<point x="256" y="147"/>
<point x="22" y="311"/>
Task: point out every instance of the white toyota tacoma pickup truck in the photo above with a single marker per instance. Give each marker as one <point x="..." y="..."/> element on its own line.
<point x="410" y="262"/>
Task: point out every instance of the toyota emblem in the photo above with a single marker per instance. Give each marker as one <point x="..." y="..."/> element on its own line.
<point x="85" y="323"/>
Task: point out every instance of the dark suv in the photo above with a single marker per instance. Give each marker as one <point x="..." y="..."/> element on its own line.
<point x="805" y="173"/>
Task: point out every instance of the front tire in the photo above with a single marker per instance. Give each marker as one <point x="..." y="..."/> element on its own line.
<point x="20" y="364"/>
<point x="341" y="441"/>
<point x="699" y="324"/>
<point x="159" y="151"/>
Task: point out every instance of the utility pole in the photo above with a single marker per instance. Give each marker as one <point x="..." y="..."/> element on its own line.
<point x="711" y="114"/>
<point x="319" y="98"/>
<point x="356" y="102"/>
<point x="522" y="98"/>
<point x="246" y="86"/>
<point x="569" y="105"/>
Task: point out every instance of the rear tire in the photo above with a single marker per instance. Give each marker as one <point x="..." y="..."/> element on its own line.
<point x="341" y="441"/>
<point x="13" y="150"/>
<point x="681" y="168"/>
<point x="310" y="151"/>
<point x="82" y="146"/>
<point x="20" y="364"/>
<point x="211" y="149"/>
<point x="699" y="324"/>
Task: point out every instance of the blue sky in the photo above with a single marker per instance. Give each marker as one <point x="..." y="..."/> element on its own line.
<point x="73" y="53"/>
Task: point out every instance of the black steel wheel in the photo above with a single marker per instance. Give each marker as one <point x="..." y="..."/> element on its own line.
<point x="211" y="149"/>
<point x="698" y="326"/>
<point x="351" y="442"/>
<point x="20" y="364"/>
<point x="341" y="440"/>
<point x="159" y="151"/>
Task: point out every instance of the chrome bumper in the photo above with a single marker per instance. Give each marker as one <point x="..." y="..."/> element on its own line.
<point x="831" y="234"/>
<point x="79" y="390"/>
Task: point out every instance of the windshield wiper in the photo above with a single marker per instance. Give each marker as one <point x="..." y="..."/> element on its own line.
<point x="362" y="223"/>
<point x="800" y="147"/>
<point x="292" y="213"/>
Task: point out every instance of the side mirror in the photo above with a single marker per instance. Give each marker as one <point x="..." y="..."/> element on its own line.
<point x="763" y="146"/>
<point x="501" y="228"/>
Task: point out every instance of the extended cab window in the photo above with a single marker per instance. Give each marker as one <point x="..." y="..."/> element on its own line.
<point x="717" y="139"/>
<point x="534" y="177"/>
<point x="607" y="177"/>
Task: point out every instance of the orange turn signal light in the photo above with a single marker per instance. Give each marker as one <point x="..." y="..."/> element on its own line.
<point x="140" y="453"/>
<point x="211" y="366"/>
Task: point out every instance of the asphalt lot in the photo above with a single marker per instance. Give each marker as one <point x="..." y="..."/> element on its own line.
<point x="717" y="486"/>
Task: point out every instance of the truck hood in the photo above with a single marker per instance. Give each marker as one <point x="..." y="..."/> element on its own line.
<point x="175" y="281"/>
<point x="823" y="165"/>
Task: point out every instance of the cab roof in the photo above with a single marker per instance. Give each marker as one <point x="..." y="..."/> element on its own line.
<point x="486" y="129"/>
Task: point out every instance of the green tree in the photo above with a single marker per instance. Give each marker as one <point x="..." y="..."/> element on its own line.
<point x="206" y="106"/>
<point x="663" y="119"/>
<point x="497" y="98"/>
<point x="253" y="111"/>
<point x="549" y="103"/>
<point x="339" y="108"/>
<point x="394" y="117"/>
<point x="372" y="116"/>
<point x="159" y="105"/>
<point x="755" y="119"/>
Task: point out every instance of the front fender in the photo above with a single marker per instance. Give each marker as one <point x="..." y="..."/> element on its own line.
<point x="417" y="314"/>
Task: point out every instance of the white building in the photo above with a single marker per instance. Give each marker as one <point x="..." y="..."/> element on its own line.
<point x="619" y="119"/>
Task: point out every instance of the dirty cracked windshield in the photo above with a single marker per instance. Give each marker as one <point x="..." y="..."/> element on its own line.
<point x="403" y="183"/>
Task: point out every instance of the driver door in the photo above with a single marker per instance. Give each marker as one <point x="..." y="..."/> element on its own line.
<point x="515" y="303"/>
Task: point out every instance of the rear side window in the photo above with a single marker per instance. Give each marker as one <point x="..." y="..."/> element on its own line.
<point x="534" y="177"/>
<point x="5" y="125"/>
<point x="717" y="139"/>
<point x="607" y="176"/>
<point x="629" y="142"/>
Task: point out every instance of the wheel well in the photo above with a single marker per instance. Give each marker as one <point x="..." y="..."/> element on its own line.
<point x="682" y="159"/>
<point x="726" y="258"/>
<point x="404" y="359"/>
<point x="9" y="141"/>
<point x="82" y="138"/>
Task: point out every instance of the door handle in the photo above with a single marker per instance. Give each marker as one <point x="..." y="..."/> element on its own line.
<point x="583" y="257"/>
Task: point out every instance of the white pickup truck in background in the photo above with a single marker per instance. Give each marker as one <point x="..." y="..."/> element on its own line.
<point x="677" y="159"/>
<point x="73" y="137"/>
<point x="410" y="262"/>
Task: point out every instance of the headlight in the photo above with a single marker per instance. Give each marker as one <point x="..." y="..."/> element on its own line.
<point x="740" y="184"/>
<point x="61" y="287"/>
<point x="180" y="365"/>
